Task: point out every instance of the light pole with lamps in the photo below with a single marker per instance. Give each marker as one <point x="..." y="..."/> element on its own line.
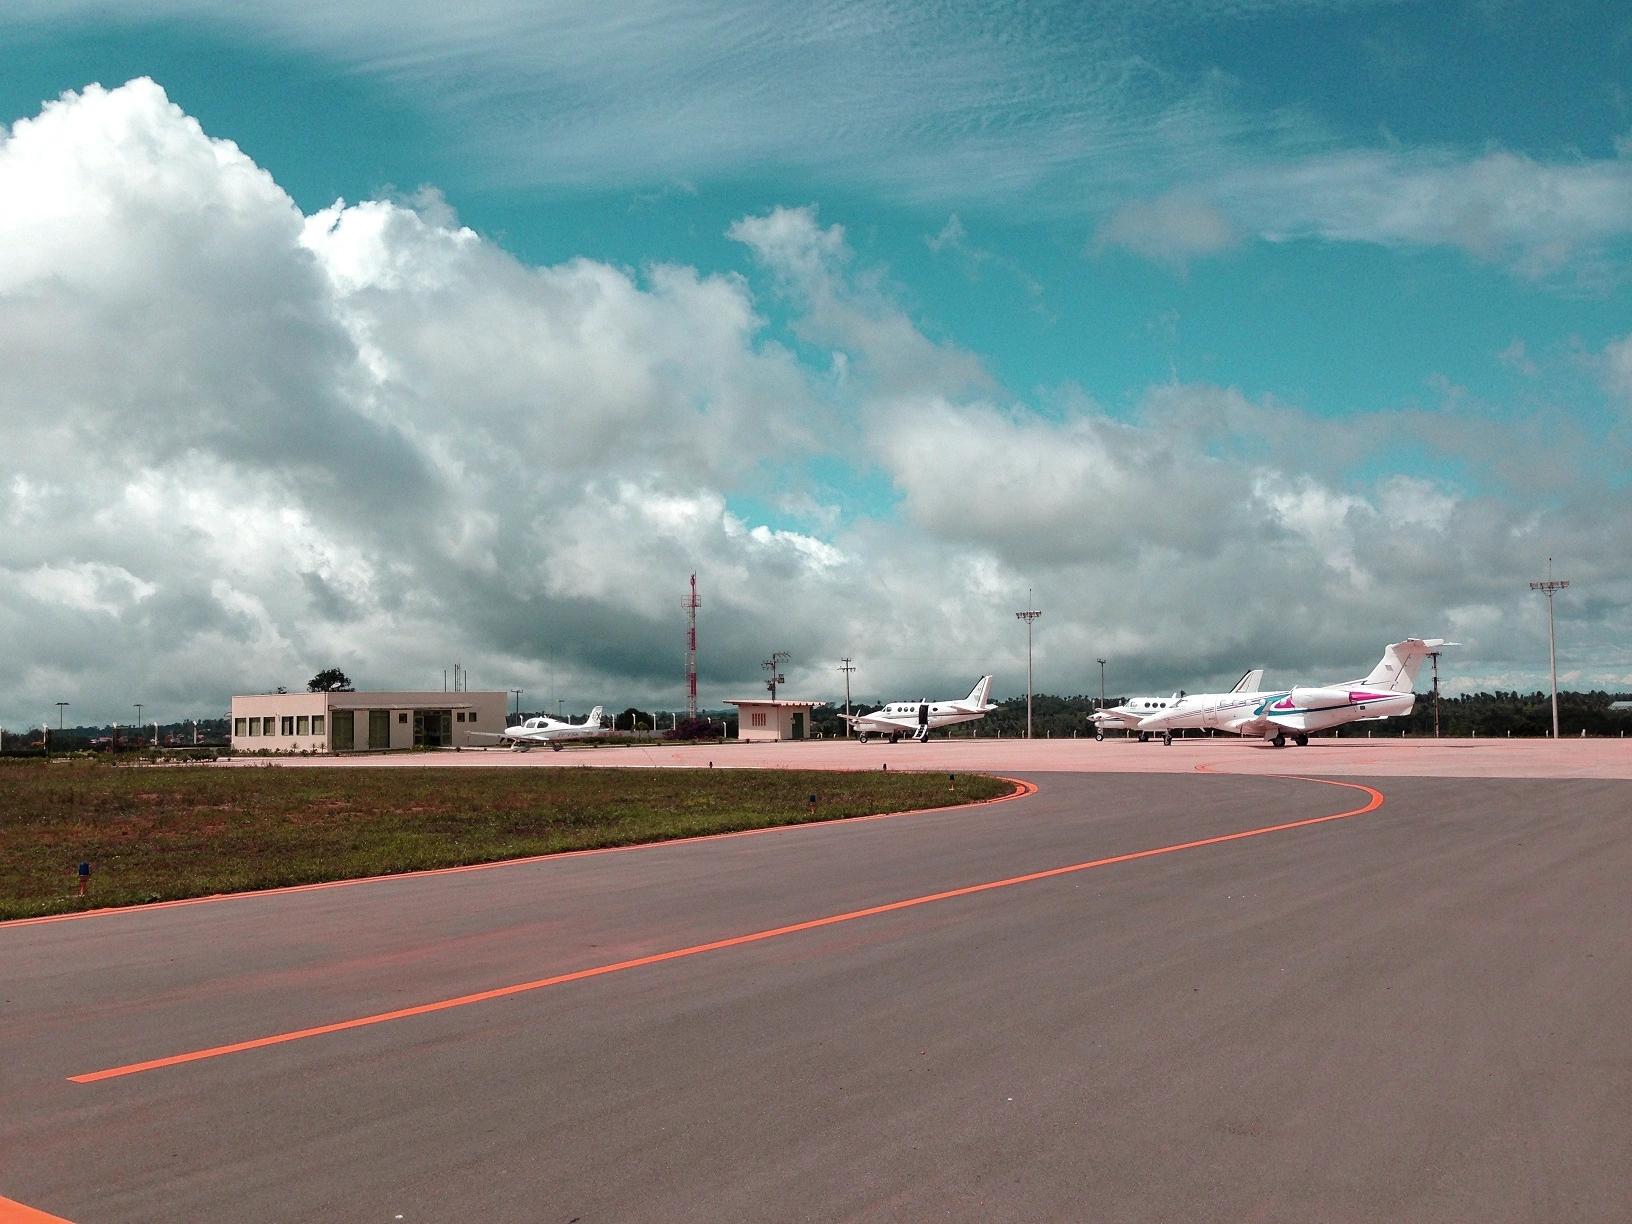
<point x="1028" y="616"/>
<point x="846" y="666"/>
<point x="138" y="706"/>
<point x="1550" y="588"/>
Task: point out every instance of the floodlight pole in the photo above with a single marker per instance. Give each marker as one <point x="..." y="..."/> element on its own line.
<point x="1028" y="616"/>
<point x="1550" y="588"/>
<point x="1433" y="655"/>
<point x="846" y="666"/>
<point x="1101" y="663"/>
<point x="518" y="693"/>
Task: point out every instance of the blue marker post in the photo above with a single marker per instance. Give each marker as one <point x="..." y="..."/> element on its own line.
<point x="84" y="878"/>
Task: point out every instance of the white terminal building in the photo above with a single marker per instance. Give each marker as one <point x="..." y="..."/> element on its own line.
<point x="759" y="718"/>
<point x="366" y="722"/>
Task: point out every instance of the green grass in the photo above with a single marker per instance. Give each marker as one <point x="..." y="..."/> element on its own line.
<point x="158" y="833"/>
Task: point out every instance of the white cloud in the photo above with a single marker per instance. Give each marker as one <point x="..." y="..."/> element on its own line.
<point x="1534" y="216"/>
<point x="245" y="444"/>
<point x="1172" y="229"/>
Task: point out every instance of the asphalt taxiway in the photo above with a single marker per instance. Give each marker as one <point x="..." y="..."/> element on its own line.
<point x="1124" y="997"/>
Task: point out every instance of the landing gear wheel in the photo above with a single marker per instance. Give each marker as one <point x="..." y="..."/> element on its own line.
<point x="1144" y="737"/>
<point x="557" y="747"/>
<point x="1099" y="737"/>
<point x="1167" y="739"/>
<point x="895" y="737"/>
<point x="1302" y="741"/>
<point x="1278" y="740"/>
<point x="862" y="738"/>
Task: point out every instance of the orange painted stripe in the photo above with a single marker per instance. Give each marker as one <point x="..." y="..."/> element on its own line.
<point x="1020" y="791"/>
<point x="735" y="941"/>
<point x="17" y="1213"/>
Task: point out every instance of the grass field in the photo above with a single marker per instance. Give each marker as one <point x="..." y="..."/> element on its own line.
<point x="157" y="833"/>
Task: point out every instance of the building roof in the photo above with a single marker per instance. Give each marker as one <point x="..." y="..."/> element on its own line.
<point x="766" y="701"/>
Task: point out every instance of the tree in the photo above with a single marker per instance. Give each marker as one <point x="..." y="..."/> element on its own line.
<point x="633" y="720"/>
<point x="329" y="680"/>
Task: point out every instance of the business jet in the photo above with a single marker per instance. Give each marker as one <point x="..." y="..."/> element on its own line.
<point x="918" y="718"/>
<point x="1128" y="715"/>
<point x="1387" y="692"/>
<point x="542" y="729"/>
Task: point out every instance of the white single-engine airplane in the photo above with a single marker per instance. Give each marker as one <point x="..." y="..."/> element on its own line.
<point x="1294" y="713"/>
<point x="542" y="729"/>
<point x="918" y="718"/>
<point x="1133" y="711"/>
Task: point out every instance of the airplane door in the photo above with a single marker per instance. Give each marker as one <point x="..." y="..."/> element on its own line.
<point x="923" y="716"/>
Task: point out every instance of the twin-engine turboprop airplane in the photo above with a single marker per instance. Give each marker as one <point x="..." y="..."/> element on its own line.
<point x="1295" y="713"/>
<point x="542" y="729"/>
<point x="918" y="718"/>
<point x="1128" y="715"/>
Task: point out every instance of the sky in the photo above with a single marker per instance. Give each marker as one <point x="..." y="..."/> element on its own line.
<point x="1253" y="333"/>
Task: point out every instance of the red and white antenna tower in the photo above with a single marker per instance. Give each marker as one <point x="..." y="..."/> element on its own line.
<point x="691" y="605"/>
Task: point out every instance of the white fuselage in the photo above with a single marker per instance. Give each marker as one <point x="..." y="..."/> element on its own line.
<point x="1299" y="710"/>
<point x="542" y="729"/>
<point x="1130" y="713"/>
<point x="918" y="718"/>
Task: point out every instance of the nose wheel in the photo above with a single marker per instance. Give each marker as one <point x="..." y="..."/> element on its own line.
<point x="1167" y="738"/>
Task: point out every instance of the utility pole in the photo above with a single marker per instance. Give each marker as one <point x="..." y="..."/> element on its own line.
<point x="1028" y="616"/>
<point x="774" y="665"/>
<point x="1433" y="655"/>
<point x="1101" y="663"/>
<point x="138" y="706"/>
<point x="846" y="666"/>
<point x="1550" y="588"/>
<point x="518" y="693"/>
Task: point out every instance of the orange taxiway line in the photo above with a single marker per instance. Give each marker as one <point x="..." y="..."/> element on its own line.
<point x="736" y="941"/>
<point x="1020" y="791"/>
<point x="18" y="1213"/>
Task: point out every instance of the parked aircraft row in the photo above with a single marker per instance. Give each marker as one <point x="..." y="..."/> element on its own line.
<point x="1387" y="691"/>
<point x="1275" y="715"/>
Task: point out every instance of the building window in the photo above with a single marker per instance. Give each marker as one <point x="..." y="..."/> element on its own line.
<point x="402" y="716"/>
<point x="269" y="725"/>
<point x="302" y="723"/>
<point x="317" y="724"/>
<point x="459" y="716"/>
<point x="758" y="720"/>
<point x="254" y="727"/>
<point x="288" y="727"/>
<point x="238" y="727"/>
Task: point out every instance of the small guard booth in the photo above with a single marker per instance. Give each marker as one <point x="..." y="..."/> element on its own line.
<point x="760" y="718"/>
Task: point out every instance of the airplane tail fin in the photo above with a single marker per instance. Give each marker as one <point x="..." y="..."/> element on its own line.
<point x="979" y="694"/>
<point x="594" y="719"/>
<point x="1401" y="661"/>
<point x="1250" y="682"/>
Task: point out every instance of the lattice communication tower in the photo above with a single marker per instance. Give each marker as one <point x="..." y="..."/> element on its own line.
<point x="691" y="605"/>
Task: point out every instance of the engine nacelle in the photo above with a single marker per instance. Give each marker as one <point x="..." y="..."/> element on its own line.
<point x="1320" y="698"/>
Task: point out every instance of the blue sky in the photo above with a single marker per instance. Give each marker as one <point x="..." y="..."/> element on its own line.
<point x="1367" y="261"/>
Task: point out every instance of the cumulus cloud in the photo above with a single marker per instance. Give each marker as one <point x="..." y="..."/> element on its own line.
<point x="244" y="444"/>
